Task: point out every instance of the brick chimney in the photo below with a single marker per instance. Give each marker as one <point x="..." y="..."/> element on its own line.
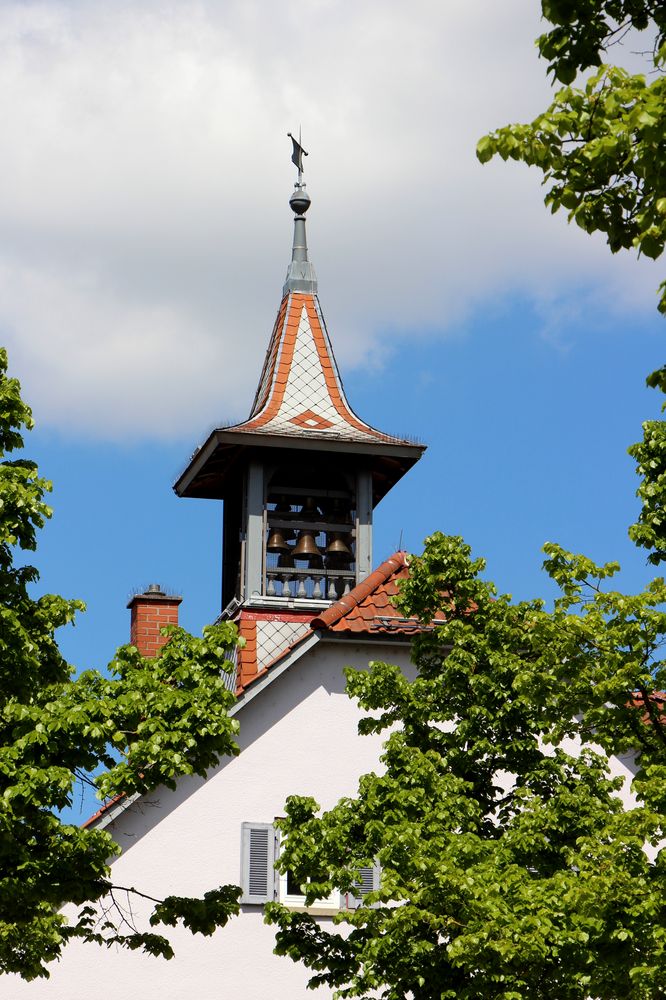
<point x="150" y="612"/>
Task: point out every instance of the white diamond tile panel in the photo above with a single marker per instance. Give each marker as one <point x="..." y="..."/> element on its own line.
<point x="306" y="387"/>
<point x="306" y="390"/>
<point x="274" y="636"/>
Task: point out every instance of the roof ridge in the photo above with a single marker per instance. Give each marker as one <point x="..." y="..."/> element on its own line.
<point x="351" y="600"/>
<point x="103" y="809"/>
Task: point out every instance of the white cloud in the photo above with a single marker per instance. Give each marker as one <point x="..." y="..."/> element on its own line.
<point x="144" y="226"/>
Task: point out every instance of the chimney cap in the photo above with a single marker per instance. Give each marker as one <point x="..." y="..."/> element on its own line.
<point x="154" y="592"/>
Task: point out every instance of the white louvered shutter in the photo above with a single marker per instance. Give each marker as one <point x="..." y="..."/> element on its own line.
<point x="257" y="861"/>
<point x="368" y="881"/>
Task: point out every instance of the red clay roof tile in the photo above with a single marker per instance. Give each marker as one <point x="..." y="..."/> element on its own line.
<point x="368" y="608"/>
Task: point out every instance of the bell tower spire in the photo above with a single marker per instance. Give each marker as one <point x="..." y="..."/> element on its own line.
<point x="301" y="476"/>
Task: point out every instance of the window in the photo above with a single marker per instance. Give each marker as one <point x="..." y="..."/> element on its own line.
<point x="291" y="894"/>
<point x="261" y="883"/>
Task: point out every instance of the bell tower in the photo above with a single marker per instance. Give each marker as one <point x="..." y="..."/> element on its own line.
<point x="301" y="476"/>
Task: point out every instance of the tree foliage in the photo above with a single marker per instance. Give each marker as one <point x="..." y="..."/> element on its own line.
<point x="650" y="454"/>
<point x="510" y="867"/>
<point x="144" y="725"/>
<point x="602" y="145"/>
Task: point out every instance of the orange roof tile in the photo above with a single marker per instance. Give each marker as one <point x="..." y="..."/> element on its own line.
<point x="657" y="699"/>
<point x="104" y="809"/>
<point x="368" y="608"/>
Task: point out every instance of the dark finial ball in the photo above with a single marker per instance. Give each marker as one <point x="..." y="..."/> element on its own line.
<point x="300" y="201"/>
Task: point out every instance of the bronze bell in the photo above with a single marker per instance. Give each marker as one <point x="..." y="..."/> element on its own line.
<point x="337" y="546"/>
<point x="306" y="547"/>
<point x="276" y="542"/>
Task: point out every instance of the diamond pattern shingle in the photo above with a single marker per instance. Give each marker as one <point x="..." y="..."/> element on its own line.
<point x="275" y="635"/>
<point x="300" y="391"/>
<point x="268" y="635"/>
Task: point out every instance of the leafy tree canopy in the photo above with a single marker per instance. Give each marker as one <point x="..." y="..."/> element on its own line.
<point x="650" y="454"/>
<point x="144" y="725"/>
<point x="510" y="866"/>
<point x="601" y="145"/>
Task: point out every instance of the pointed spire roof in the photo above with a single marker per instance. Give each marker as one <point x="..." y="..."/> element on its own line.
<point x="300" y="391"/>
<point x="300" y="400"/>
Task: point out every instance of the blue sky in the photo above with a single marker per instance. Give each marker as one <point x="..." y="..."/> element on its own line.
<point x="144" y="237"/>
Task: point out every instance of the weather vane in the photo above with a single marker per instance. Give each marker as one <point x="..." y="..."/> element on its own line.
<point x="297" y="155"/>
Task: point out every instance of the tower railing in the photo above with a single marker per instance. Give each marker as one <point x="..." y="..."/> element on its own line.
<point x="306" y="583"/>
